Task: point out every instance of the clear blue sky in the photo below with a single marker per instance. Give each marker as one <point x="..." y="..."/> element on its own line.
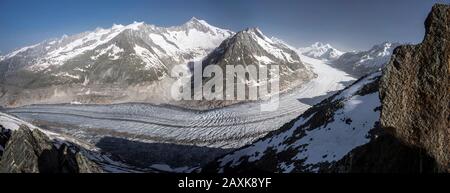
<point x="347" y="24"/>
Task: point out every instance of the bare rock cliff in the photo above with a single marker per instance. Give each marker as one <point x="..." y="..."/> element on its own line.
<point x="415" y="90"/>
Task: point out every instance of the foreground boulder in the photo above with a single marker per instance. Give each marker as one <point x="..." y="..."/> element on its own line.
<point x="384" y="154"/>
<point x="5" y="134"/>
<point x="415" y="90"/>
<point x="31" y="151"/>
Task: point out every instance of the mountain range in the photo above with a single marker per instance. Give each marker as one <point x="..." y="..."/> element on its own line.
<point x="132" y="63"/>
<point x="364" y="62"/>
<point x="322" y="51"/>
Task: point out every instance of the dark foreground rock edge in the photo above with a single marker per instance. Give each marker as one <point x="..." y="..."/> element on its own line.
<point x="32" y="151"/>
<point x="415" y="90"/>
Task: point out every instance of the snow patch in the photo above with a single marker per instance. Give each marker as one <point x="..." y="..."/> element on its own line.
<point x="111" y="50"/>
<point x="151" y="60"/>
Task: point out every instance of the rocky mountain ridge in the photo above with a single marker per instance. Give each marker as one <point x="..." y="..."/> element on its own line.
<point x="360" y="63"/>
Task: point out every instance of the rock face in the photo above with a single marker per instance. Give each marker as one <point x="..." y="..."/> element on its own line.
<point x="415" y="90"/>
<point x="5" y="134"/>
<point x="31" y="151"/>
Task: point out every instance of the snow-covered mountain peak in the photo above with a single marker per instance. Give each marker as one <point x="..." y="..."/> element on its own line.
<point x="255" y="30"/>
<point x="321" y="50"/>
<point x="194" y="20"/>
<point x="200" y="25"/>
<point x="135" y="25"/>
<point x="363" y="62"/>
<point x="254" y="33"/>
<point x="320" y="45"/>
<point x="383" y="49"/>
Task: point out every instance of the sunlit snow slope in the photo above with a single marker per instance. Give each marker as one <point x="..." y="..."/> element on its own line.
<point x="322" y="135"/>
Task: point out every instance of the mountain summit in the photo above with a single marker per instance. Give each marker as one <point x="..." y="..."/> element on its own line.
<point x="252" y="47"/>
<point x="320" y="50"/>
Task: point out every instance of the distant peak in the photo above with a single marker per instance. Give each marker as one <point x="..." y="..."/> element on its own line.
<point x="134" y="26"/>
<point x="385" y="44"/>
<point x="256" y="31"/>
<point x="320" y="44"/>
<point x="252" y="29"/>
<point x="115" y="26"/>
<point x="194" y="20"/>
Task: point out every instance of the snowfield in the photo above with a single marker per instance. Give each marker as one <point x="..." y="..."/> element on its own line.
<point x="229" y="127"/>
<point x="307" y="148"/>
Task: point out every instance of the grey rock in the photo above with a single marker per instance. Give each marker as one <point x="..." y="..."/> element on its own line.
<point x="31" y="151"/>
<point x="415" y="90"/>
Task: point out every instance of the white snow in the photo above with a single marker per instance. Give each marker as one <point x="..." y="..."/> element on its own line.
<point x="326" y="143"/>
<point x="112" y="51"/>
<point x="264" y="59"/>
<point x="268" y="45"/>
<point x="12" y="123"/>
<point x="151" y="60"/>
<point x="321" y="51"/>
<point x="376" y="57"/>
<point x="181" y="44"/>
<point x="66" y="74"/>
<point x="323" y="145"/>
<point x="159" y="40"/>
<point x="357" y="86"/>
<point x="79" y="69"/>
<point x="14" y="53"/>
<point x="80" y="45"/>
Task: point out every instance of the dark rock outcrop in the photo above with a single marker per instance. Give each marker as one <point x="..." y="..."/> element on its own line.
<point x="415" y="90"/>
<point x="5" y="134"/>
<point x="385" y="154"/>
<point x="31" y="151"/>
